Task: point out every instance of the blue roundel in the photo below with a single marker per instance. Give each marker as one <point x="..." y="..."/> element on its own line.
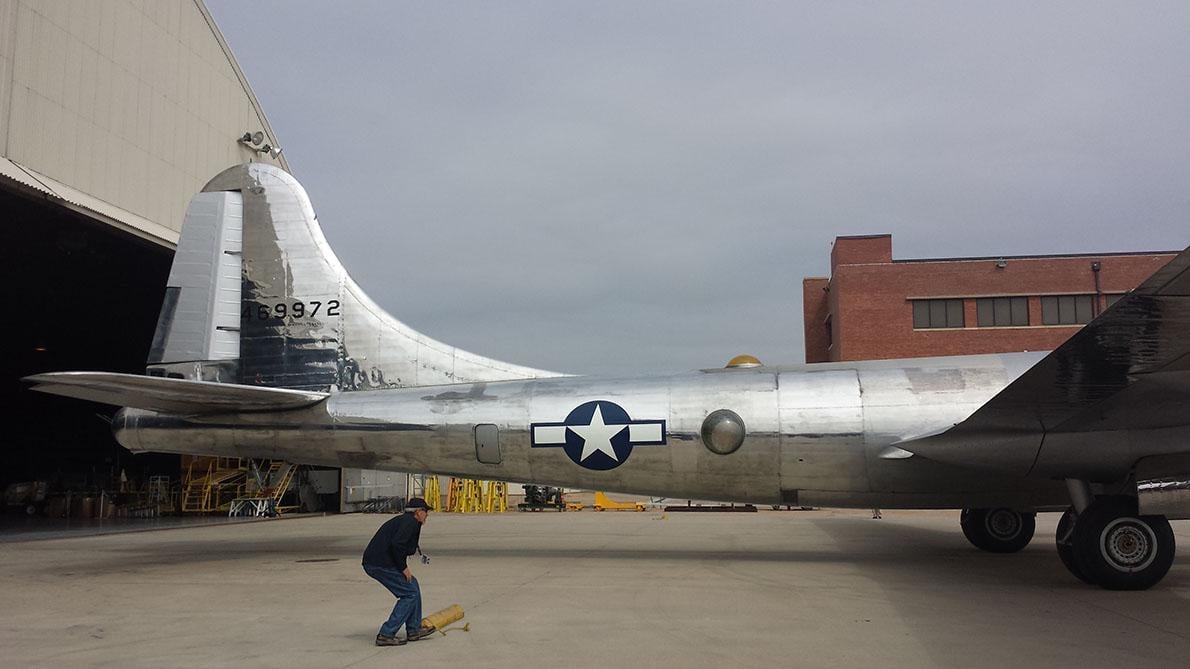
<point x="598" y="437"/>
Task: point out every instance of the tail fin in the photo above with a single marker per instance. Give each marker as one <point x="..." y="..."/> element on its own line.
<point x="257" y="297"/>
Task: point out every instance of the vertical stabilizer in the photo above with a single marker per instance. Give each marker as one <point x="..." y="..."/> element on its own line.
<point x="301" y="321"/>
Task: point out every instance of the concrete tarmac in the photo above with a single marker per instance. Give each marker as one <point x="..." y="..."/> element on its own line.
<point x="615" y="589"/>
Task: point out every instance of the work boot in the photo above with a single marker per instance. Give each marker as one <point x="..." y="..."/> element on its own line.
<point x="421" y="633"/>
<point x="382" y="640"/>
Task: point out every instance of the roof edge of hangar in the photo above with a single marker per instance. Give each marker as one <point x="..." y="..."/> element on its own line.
<point x="243" y="79"/>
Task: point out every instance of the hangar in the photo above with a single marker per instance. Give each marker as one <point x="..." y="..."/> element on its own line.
<point x="112" y="115"/>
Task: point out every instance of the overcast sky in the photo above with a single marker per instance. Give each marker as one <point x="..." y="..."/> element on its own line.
<point x="604" y="187"/>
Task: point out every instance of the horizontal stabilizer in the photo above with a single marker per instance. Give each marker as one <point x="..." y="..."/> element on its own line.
<point x="168" y="395"/>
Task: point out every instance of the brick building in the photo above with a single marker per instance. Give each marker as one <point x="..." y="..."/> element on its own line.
<point x="874" y="307"/>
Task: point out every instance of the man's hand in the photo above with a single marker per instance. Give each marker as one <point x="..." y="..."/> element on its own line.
<point x="408" y="575"/>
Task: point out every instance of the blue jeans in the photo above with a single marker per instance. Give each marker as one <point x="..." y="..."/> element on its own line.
<point x="407" y="612"/>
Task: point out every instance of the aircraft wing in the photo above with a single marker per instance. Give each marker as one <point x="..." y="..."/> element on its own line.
<point x="1129" y="368"/>
<point x="167" y="395"/>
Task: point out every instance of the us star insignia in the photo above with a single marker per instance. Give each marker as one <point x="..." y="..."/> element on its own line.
<point x="598" y="435"/>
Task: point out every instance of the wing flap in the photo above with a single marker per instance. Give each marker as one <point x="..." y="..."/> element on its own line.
<point x="181" y="396"/>
<point x="1129" y="368"/>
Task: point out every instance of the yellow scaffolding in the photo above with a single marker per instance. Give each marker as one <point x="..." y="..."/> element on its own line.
<point x="496" y="500"/>
<point x="277" y="480"/>
<point x="211" y="488"/>
<point x="469" y="496"/>
<point x="433" y="492"/>
<point x="472" y="496"/>
<point x="211" y="484"/>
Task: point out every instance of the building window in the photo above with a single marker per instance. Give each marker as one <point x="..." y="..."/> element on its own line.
<point x="937" y="314"/>
<point x="1067" y="309"/>
<point x="1112" y="299"/>
<point x="1002" y="311"/>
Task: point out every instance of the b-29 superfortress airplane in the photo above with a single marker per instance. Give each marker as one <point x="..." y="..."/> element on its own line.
<point x="266" y="348"/>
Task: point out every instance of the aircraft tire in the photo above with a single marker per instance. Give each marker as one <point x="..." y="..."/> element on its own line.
<point x="1118" y="549"/>
<point x="966" y="522"/>
<point x="1064" y="537"/>
<point x="998" y="530"/>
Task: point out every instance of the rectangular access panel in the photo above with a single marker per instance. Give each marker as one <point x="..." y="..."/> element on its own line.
<point x="487" y="444"/>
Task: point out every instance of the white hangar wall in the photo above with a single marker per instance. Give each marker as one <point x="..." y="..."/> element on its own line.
<point x="122" y="109"/>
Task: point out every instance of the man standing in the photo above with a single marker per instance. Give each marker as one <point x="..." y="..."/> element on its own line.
<point x="385" y="561"/>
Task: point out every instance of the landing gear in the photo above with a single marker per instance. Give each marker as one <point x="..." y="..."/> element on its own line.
<point x="998" y="530"/>
<point x="1065" y="541"/>
<point x="1112" y="545"/>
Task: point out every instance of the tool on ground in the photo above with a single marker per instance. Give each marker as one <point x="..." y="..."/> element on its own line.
<point x="603" y="502"/>
<point x="440" y="619"/>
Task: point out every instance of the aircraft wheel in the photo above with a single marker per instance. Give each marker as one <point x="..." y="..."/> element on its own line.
<point x="1065" y="540"/>
<point x="998" y="530"/>
<point x="1119" y="549"/>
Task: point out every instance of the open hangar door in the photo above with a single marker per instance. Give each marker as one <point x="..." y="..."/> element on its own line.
<point x="77" y="294"/>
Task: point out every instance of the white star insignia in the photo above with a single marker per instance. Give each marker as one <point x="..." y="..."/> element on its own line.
<point x="597" y="436"/>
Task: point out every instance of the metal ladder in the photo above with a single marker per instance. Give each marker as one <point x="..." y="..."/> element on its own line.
<point x="277" y="480"/>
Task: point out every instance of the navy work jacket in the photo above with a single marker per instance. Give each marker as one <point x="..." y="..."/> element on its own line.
<point x="395" y="540"/>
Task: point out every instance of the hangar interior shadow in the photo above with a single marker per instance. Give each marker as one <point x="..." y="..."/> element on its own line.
<point x="77" y="295"/>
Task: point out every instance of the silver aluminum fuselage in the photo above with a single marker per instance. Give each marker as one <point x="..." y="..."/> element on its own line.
<point x="815" y="434"/>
